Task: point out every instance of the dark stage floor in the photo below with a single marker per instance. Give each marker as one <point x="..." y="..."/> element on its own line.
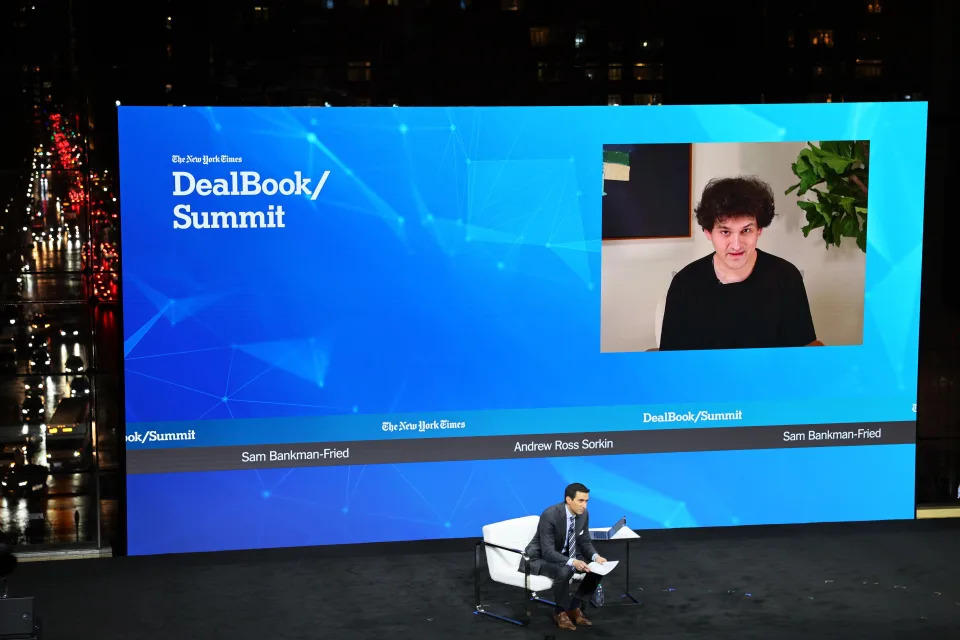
<point x="865" y="580"/>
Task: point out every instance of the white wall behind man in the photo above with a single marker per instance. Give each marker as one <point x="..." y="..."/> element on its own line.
<point x="635" y="274"/>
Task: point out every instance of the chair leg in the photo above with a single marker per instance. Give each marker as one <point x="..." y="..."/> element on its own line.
<point x="519" y="623"/>
<point x="536" y="598"/>
<point x="479" y="609"/>
<point x="476" y="575"/>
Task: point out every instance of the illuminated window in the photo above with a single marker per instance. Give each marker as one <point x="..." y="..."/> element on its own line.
<point x="168" y="88"/>
<point x="874" y="6"/>
<point x="822" y="38"/>
<point x="647" y="98"/>
<point x="647" y="71"/>
<point x="590" y="72"/>
<point x="393" y="3"/>
<point x="613" y="100"/>
<point x="509" y="5"/>
<point x="578" y="38"/>
<point x="169" y="24"/>
<point x="868" y="69"/>
<point x="328" y="4"/>
<point x="539" y="36"/>
<point x="359" y="71"/>
<point x="261" y="14"/>
<point x="791" y="41"/>
<point x="615" y="72"/>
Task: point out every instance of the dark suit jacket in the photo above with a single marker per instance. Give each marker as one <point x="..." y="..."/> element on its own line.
<point x="552" y="533"/>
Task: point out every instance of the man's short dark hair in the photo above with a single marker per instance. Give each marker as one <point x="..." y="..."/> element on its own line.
<point x="572" y="490"/>
<point x="725" y="198"/>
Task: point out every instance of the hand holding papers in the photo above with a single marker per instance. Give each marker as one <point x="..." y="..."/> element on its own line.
<point x="603" y="569"/>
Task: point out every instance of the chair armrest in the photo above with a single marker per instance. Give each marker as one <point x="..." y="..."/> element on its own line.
<point x="491" y="544"/>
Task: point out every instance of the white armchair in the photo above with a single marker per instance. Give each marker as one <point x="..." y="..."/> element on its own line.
<point x="504" y="543"/>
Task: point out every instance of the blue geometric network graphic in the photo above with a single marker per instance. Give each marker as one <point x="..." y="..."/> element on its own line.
<point x="446" y="262"/>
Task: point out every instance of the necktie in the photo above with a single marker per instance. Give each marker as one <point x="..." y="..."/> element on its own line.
<point x="571" y="539"/>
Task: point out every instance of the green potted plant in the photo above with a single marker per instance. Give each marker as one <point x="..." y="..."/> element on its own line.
<point x="837" y="172"/>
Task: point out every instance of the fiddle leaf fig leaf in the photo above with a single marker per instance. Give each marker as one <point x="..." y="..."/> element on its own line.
<point x="837" y="173"/>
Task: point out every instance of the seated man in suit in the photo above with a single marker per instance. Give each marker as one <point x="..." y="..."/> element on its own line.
<point x="559" y="548"/>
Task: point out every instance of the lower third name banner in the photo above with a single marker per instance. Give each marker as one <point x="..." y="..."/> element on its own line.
<point x="364" y="452"/>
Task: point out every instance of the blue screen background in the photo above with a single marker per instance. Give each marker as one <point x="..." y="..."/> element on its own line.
<point x="451" y="265"/>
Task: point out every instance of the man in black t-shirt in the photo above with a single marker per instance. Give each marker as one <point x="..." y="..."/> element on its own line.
<point x="737" y="297"/>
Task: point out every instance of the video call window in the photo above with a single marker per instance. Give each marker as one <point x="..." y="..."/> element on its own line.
<point x="739" y="245"/>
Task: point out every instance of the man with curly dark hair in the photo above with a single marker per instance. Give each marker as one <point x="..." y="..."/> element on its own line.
<point x="738" y="297"/>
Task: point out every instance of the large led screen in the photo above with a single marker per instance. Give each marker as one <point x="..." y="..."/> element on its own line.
<point x="348" y="325"/>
